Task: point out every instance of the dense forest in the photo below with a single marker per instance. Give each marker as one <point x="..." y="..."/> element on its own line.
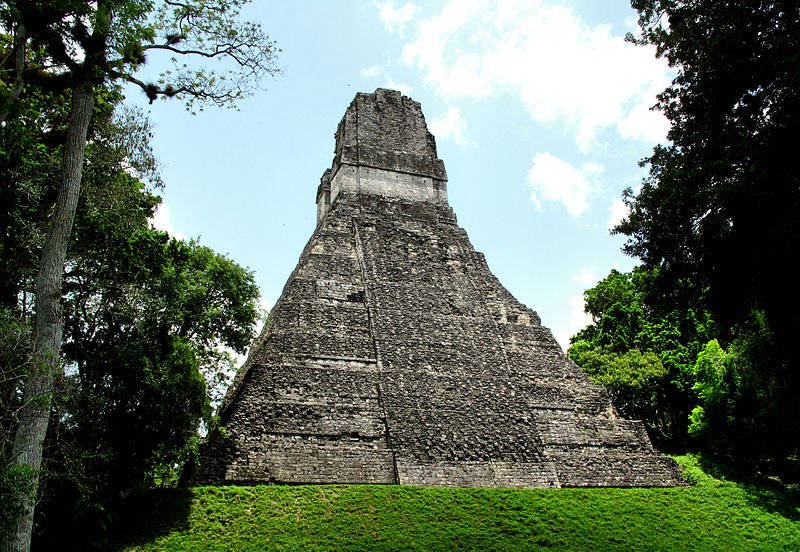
<point x="699" y="340"/>
<point x="114" y="336"/>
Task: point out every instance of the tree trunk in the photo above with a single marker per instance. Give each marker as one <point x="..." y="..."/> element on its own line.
<point x="20" y="41"/>
<point x="35" y="412"/>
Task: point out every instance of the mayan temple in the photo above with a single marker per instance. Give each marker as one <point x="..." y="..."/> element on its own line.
<point x="395" y="356"/>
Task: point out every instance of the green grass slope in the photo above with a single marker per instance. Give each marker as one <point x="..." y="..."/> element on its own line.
<point x="713" y="514"/>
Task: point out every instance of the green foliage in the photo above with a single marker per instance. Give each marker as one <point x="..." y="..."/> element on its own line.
<point x="76" y="53"/>
<point x="110" y="42"/>
<point x="663" y="362"/>
<point x="712" y="386"/>
<point x="744" y="411"/>
<point x="629" y="313"/>
<point x="17" y="488"/>
<point x="708" y="208"/>
<point x="717" y="514"/>
<point x="721" y="204"/>
<point x="152" y="319"/>
<point x="29" y="169"/>
<point x="209" y="30"/>
<point x="617" y="310"/>
<point x="635" y="380"/>
<point x="147" y="319"/>
<point x="642" y="348"/>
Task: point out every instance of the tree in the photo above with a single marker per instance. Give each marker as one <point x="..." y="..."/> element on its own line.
<point x="742" y="411"/>
<point x="636" y="381"/>
<point x="642" y="348"/>
<point x="666" y="364"/>
<point x="721" y="204"/>
<point x="713" y="388"/>
<point x="86" y="44"/>
<point x="31" y="144"/>
<point x="146" y="318"/>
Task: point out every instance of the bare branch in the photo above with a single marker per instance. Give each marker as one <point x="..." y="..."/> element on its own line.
<point x="203" y="30"/>
<point x="211" y="93"/>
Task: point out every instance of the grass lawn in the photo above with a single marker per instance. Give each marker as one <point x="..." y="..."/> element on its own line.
<point x="712" y="514"/>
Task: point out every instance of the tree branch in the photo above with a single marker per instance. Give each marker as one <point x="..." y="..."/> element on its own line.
<point x="153" y="91"/>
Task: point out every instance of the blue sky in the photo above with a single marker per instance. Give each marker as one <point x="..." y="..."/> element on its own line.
<point x="539" y="109"/>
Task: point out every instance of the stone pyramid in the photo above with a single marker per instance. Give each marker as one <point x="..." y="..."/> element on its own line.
<point x="395" y="356"/>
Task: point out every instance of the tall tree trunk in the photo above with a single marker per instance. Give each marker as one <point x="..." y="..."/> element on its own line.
<point x="20" y="41"/>
<point x="35" y="412"/>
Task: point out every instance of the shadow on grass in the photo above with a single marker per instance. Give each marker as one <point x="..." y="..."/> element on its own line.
<point x="766" y="493"/>
<point x="150" y="515"/>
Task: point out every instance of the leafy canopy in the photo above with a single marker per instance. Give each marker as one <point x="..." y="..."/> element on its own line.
<point x="721" y="204"/>
<point x="642" y="348"/>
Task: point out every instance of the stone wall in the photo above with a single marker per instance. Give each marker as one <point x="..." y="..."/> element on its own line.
<point x="395" y="356"/>
<point x="383" y="147"/>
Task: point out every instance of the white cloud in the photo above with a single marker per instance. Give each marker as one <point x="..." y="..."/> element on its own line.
<point x="585" y="277"/>
<point x="552" y="179"/>
<point x="562" y="336"/>
<point x="395" y="18"/>
<point x="372" y="72"/>
<point x="161" y="221"/>
<point x="392" y="85"/>
<point x="564" y="71"/>
<point x="578" y="319"/>
<point x="384" y="79"/>
<point x="616" y="212"/>
<point x="450" y="124"/>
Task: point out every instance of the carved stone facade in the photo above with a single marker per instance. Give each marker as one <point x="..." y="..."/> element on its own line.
<point x="395" y="356"/>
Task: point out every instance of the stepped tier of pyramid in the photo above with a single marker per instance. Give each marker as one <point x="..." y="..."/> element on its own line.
<point x="395" y="356"/>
